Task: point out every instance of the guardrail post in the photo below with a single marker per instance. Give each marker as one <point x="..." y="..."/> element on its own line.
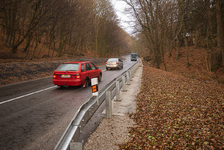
<point x="131" y="74"/>
<point x="76" y="145"/>
<point x="123" y="83"/>
<point x="118" y="96"/>
<point x="128" y="78"/>
<point x="108" y="105"/>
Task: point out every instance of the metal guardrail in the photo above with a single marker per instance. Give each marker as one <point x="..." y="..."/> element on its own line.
<point x="86" y="111"/>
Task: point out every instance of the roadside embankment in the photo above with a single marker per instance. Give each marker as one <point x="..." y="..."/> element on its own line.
<point x="13" y="72"/>
<point x="172" y="112"/>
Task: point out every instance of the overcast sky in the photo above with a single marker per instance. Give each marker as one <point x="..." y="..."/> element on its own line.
<point x="125" y="18"/>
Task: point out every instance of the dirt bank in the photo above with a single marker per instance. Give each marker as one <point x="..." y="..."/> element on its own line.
<point x="13" y="72"/>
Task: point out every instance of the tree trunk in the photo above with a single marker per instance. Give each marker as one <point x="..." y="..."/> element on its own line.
<point x="29" y="38"/>
<point x="220" y="34"/>
<point x="183" y="24"/>
<point x="177" y="48"/>
<point x="213" y="65"/>
<point x="186" y="46"/>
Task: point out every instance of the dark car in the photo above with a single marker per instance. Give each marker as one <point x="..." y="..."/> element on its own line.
<point x="134" y="57"/>
<point x="76" y="74"/>
<point x="114" y="63"/>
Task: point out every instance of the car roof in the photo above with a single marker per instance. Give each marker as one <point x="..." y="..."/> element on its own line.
<point x="112" y="58"/>
<point x="75" y="62"/>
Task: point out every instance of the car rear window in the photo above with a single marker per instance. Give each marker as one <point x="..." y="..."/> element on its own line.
<point x="68" y="67"/>
<point x="112" y="59"/>
<point x="134" y="55"/>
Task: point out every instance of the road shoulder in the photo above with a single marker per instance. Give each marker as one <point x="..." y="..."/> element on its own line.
<point x="114" y="131"/>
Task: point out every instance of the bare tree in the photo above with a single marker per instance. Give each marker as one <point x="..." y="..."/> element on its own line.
<point x="156" y="23"/>
<point x="64" y="27"/>
<point x="220" y="32"/>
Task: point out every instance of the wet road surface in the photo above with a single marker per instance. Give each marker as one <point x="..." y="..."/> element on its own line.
<point x="34" y="114"/>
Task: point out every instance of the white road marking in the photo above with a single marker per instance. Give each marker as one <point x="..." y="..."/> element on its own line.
<point x="26" y="95"/>
<point x="30" y="94"/>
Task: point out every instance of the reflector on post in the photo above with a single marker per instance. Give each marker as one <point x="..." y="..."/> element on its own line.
<point x="94" y="84"/>
<point x="94" y="88"/>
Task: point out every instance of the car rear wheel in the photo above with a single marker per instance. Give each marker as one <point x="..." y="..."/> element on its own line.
<point x="86" y="84"/>
<point x="99" y="77"/>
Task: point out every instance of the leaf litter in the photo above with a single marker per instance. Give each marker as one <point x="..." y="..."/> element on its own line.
<point x="175" y="112"/>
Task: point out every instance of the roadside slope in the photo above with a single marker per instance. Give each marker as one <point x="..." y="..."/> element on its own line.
<point x="13" y="72"/>
<point x="175" y="112"/>
<point x="172" y="112"/>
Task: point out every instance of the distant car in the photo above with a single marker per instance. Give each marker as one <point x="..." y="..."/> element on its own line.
<point x="114" y="63"/>
<point x="134" y="57"/>
<point x="76" y="74"/>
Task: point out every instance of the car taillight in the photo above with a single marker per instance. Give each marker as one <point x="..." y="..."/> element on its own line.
<point x="116" y="62"/>
<point x="78" y="76"/>
<point x="54" y="76"/>
<point x="106" y="62"/>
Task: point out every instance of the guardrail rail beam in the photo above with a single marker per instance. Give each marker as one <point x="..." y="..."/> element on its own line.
<point x="69" y="139"/>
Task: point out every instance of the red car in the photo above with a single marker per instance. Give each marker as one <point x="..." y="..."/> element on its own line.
<point x="76" y="74"/>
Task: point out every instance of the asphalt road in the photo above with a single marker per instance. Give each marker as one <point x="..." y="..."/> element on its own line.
<point x="34" y="114"/>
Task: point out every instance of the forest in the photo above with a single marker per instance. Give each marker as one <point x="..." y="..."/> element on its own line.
<point x="72" y="28"/>
<point x="167" y="25"/>
<point x="59" y="28"/>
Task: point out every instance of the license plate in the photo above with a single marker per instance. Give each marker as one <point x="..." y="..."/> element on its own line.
<point x="65" y="76"/>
